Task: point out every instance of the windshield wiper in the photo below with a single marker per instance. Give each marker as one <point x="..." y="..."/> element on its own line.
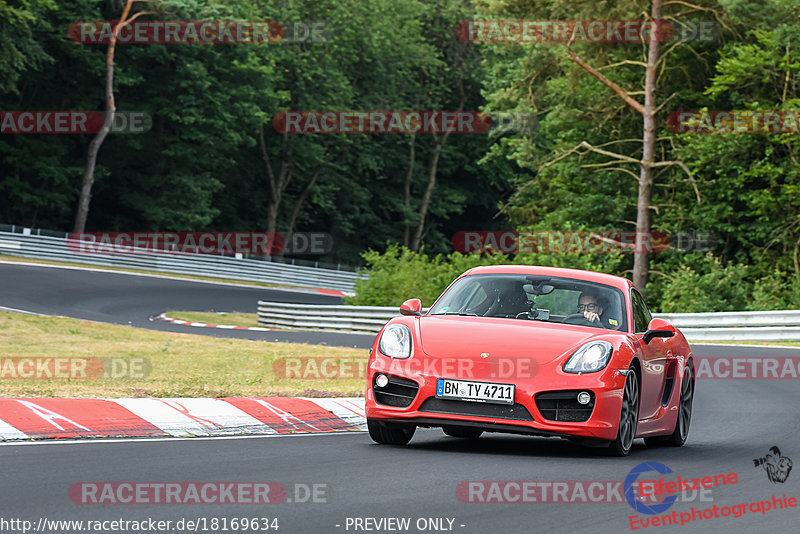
<point x="463" y="314"/>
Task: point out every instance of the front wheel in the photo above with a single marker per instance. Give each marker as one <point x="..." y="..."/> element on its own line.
<point x="390" y="433"/>
<point x="628" y="418"/>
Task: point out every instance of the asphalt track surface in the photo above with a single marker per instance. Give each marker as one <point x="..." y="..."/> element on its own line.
<point x="133" y="299"/>
<point x="734" y="422"/>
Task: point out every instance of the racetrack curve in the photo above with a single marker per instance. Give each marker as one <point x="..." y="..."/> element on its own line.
<point x="734" y="422"/>
<point x="131" y="299"/>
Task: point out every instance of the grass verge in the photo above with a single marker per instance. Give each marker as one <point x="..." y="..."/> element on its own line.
<point x="181" y="365"/>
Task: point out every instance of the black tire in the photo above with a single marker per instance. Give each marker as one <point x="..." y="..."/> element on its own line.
<point x="390" y="433"/>
<point x="628" y="417"/>
<point x="681" y="431"/>
<point x="462" y="432"/>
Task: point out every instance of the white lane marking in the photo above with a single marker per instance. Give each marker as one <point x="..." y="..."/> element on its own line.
<point x="50" y="416"/>
<point x="285" y="416"/>
<point x="195" y="417"/>
<point x="9" y="432"/>
<point x="145" y="439"/>
<point x="349" y="409"/>
<point x="163" y="317"/>
<point x="15" y="310"/>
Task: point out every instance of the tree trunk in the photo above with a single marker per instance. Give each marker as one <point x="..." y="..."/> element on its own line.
<point x="94" y="147"/>
<point x="641" y="258"/>
<point x="300" y="200"/>
<point x="433" y="164"/>
<point x="277" y="183"/>
<point x="407" y="192"/>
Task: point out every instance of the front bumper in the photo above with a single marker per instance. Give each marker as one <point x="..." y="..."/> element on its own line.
<point x="524" y="417"/>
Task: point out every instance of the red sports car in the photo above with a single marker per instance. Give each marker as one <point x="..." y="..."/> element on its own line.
<point x="532" y="350"/>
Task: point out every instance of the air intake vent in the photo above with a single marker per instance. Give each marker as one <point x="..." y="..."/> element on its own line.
<point x="480" y="409"/>
<point x="564" y="406"/>
<point x="399" y="392"/>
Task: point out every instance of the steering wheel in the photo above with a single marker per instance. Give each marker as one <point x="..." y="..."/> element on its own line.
<point x="579" y="319"/>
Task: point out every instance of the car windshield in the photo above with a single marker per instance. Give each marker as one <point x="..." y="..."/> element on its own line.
<point x="535" y="298"/>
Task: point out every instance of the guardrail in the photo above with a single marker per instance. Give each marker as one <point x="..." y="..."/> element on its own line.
<point x="722" y="326"/>
<point x="737" y="326"/>
<point x="55" y="248"/>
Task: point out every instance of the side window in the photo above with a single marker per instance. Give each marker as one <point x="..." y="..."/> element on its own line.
<point x="641" y="315"/>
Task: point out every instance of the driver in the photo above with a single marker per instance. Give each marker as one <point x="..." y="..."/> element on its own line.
<point x="589" y="305"/>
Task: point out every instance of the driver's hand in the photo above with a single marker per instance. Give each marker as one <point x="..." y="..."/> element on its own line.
<point x="591" y="316"/>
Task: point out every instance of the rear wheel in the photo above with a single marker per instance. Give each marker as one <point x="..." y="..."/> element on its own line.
<point x="628" y="418"/>
<point x="462" y="432"/>
<point x="390" y="433"/>
<point x="681" y="432"/>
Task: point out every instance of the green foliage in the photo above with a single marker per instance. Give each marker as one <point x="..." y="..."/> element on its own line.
<point x="201" y="166"/>
<point x="20" y="46"/>
<point x="776" y="291"/>
<point x="719" y="288"/>
<point x="400" y="274"/>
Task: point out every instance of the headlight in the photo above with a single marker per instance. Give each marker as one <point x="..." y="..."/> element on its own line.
<point x="591" y="357"/>
<point x="396" y="341"/>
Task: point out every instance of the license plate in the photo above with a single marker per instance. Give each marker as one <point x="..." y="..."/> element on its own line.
<point x="447" y="388"/>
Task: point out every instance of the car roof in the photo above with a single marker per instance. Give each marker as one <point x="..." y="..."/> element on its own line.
<point x="589" y="276"/>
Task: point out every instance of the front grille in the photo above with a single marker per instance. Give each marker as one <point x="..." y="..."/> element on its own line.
<point x="563" y="406"/>
<point x="399" y="392"/>
<point x="480" y="409"/>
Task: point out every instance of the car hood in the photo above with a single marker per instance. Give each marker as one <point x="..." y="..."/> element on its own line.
<point x="468" y="337"/>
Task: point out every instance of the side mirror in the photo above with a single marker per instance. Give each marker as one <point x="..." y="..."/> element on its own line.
<point x="658" y="328"/>
<point x="411" y="307"/>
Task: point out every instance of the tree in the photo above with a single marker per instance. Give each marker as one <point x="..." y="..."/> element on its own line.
<point x="108" y="119"/>
<point x="578" y="120"/>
